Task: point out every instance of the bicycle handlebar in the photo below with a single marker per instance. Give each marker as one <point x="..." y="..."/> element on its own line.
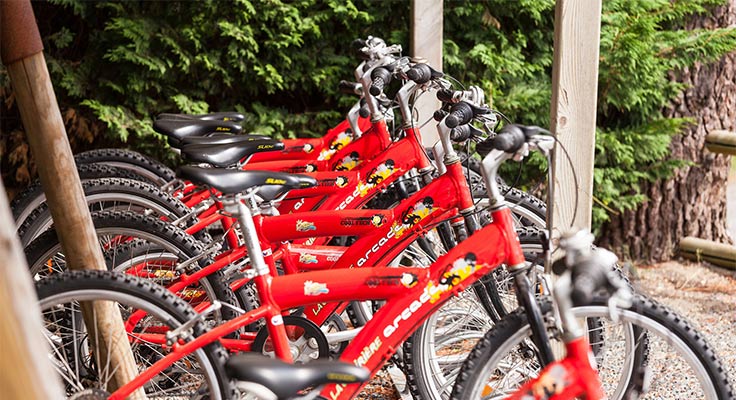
<point x="380" y="77"/>
<point x="462" y="113"/>
<point x="350" y="87"/>
<point x="422" y="73"/>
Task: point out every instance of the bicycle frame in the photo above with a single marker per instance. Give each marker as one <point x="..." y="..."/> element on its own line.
<point x="411" y="295"/>
<point x="383" y="235"/>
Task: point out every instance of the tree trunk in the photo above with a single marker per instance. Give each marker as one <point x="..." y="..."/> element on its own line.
<point x="693" y="201"/>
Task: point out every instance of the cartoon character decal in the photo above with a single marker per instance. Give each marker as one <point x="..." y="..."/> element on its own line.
<point x="348" y="162"/>
<point x="413" y="215"/>
<point x="308" y="148"/>
<point x="376" y="176"/>
<point x="457" y="272"/>
<point x="312" y="288"/>
<point x="304" y="226"/>
<point x="342" y="140"/>
<point x="305" y="258"/>
<point x="378" y="220"/>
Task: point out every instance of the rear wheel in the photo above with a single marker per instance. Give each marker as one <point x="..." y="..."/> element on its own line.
<point x="130" y="160"/>
<point x="144" y="246"/>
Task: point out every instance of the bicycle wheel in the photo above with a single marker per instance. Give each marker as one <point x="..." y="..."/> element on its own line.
<point x="130" y="160"/>
<point x="199" y="374"/>
<point x="32" y="196"/>
<point x="110" y="194"/>
<point x="128" y="239"/>
<point x="681" y="363"/>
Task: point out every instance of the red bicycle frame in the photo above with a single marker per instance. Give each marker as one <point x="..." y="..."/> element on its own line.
<point x="411" y="295"/>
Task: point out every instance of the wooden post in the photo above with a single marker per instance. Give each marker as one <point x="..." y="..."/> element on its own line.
<point x="22" y="54"/>
<point x="27" y="373"/>
<point x="426" y="44"/>
<point x="573" y="112"/>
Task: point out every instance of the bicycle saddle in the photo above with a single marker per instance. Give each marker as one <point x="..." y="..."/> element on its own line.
<point x="231" y="181"/>
<point x="221" y="138"/>
<point x="286" y="380"/>
<point x="225" y="155"/>
<point x="218" y="116"/>
<point x="176" y="130"/>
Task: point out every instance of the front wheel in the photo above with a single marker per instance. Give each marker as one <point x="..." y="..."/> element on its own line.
<point x="72" y="354"/>
<point x="682" y="365"/>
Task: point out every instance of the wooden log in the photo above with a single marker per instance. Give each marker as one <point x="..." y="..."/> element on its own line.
<point x="715" y="253"/>
<point x="426" y="44"/>
<point x="573" y="113"/>
<point x="27" y="373"/>
<point x="57" y="171"/>
<point x="723" y="142"/>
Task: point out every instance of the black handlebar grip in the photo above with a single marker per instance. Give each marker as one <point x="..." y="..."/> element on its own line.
<point x="348" y="87"/>
<point x="447" y="95"/>
<point x="381" y="77"/>
<point x="422" y="73"/>
<point x="460" y="133"/>
<point x="510" y="140"/>
<point x="439" y="114"/>
<point x="460" y="114"/>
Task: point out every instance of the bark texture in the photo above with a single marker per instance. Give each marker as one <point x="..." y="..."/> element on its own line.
<point x="693" y="202"/>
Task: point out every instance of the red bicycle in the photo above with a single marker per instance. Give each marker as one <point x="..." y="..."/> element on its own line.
<point x="176" y="360"/>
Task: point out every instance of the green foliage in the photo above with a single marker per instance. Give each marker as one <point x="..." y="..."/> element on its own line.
<point x="118" y="64"/>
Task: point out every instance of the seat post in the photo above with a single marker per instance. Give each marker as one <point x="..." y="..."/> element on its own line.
<point x="235" y="206"/>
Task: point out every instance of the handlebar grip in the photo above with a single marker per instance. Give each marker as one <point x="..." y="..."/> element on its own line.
<point x="447" y="95"/>
<point x="460" y="114"/>
<point x="348" y="87"/>
<point x="509" y="141"/>
<point x="587" y="278"/>
<point x="464" y="132"/>
<point x="381" y="76"/>
<point x="422" y="73"/>
<point x="439" y="114"/>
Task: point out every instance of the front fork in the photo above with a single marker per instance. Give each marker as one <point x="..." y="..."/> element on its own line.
<point x="525" y="296"/>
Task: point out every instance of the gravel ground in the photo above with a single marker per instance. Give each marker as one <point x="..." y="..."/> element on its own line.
<point x="704" y="295"/>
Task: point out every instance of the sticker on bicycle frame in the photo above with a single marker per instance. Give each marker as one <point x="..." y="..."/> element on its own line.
<point x="308" y="148"/>
<point x="305" y="226"/>
<point x="376" y="220"/>
<point x="339" y="181"/>
<point x="312" y="288"/>
<point x="348" y="162"/>
<point x="550" y="383"/>
<point x="406" y="279"/>
<point x="460" y="269"/>
<point x="277" y="320"/>
<point x="457" y="272"/>
<point x="305" y="258"/>
<point x="413" y="215"/>
<point x="342" y="140"/>
<point x="376" y="176"/>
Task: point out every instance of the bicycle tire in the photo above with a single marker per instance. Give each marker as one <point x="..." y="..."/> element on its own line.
<point x="110" y="194"/>
<point x="645" y="316"/>
<point x="45" y="257"/>
<point x="33" y="195"/>
<point x="158" y="302"/>
<point x="131" y="160"/>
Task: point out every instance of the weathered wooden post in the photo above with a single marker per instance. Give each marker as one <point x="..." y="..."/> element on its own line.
<point x="22" y="54"/>
<point x="573" y="109"/>
<point x="27" y="373"/>
<point x="426" y="43"/>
